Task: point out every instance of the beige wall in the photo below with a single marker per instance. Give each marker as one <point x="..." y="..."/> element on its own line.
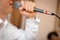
<point x="47" y="22"/>
<point x="58" y="20"/>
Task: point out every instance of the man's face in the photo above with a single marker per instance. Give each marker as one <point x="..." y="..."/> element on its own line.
<point x="6" y="6"/>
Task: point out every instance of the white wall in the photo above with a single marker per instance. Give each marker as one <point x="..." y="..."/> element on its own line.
<point x="47" y="21"/>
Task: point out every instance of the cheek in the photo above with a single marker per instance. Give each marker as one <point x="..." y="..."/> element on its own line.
<point x="8" y="9"/>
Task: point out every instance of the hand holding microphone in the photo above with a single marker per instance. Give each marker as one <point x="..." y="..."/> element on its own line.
<point x="30" y="9"/>
<point x="18" y="5"/>
<point x="27" y="8"/>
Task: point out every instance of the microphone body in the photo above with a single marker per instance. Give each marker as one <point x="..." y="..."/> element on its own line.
<point x="17" y="4"/>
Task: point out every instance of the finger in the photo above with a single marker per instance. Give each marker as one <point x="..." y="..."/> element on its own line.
<point x="32" y="14"/>
<point x="32" y="7"/>
<point x="24" y="13"/>
<point x="26" y="5"/>
<point x="22" y="5"/>
<point x="21" y="8"/>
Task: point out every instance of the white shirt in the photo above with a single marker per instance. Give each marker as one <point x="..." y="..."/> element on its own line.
<point x="10" y="32"/>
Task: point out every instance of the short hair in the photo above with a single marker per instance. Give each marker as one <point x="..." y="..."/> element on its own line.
<point x="52" y="33"/>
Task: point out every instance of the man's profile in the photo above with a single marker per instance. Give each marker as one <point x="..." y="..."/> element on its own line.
<point x="11" y="32"/>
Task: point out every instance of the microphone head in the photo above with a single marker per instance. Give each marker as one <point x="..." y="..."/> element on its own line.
<point x="16" y="4"/>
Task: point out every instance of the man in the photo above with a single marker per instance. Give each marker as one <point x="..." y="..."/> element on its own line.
<point x="9" y="31"/>
<point x="53" y="36"/>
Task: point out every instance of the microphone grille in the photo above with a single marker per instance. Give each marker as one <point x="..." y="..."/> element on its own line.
<point x="16" y="4"/>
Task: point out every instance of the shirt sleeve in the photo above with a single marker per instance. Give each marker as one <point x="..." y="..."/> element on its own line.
<point x="31" y="28"/>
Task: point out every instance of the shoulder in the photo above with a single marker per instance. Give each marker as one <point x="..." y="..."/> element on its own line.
<point x="10" y="27"/>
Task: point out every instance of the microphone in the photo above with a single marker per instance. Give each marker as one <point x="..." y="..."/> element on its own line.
<point x="17" y="4"/>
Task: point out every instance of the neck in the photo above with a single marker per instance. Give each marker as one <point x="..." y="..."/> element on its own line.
<point x="2" y="16"/>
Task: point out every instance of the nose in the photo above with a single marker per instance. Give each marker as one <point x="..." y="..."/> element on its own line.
<point x="11" y="3"/>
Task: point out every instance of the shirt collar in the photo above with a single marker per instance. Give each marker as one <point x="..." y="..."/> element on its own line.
<point x="4" y="22"/>
<point x="1" y="20"/>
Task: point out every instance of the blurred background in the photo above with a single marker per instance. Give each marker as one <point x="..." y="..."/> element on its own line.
<point x="47" y="23"/>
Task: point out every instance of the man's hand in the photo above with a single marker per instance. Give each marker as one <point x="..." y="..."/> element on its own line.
<point x="29" y="9"/>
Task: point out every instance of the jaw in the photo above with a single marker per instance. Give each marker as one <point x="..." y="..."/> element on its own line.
<point x="2" y="16"/>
